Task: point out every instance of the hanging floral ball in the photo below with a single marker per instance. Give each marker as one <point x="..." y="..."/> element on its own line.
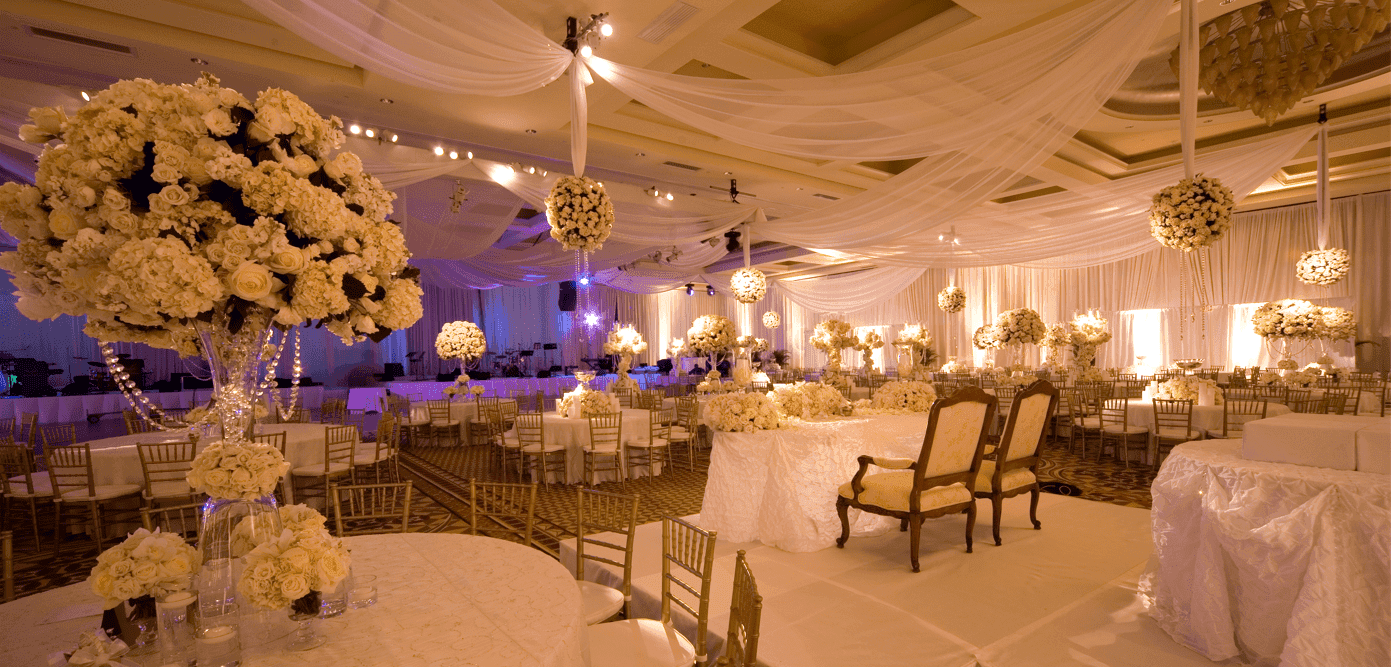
<point x="771" y="320"/>
<point x="748" y="285"/>
<point x="1322" y="267"/>
<point x="1192" y="214"/>
<point x="580" y="213"/>
<point x="461" y="340"/>
<point x="1021" y="326"/>
<point x="952" y="299"/>
<point x="984" y="338"/>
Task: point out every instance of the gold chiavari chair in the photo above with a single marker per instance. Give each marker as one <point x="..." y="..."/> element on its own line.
<point x="442" y="423"/>
<point x="370" y="509"/>
<point x="171" y="416"/>
<point x="502" y="508"/>
<point x="1087" y="419"/>
<point x="27" y="430"/>
<point x="166" y="466"/>
<point x="605" y="450"/>
<point x="1305" y="402"/>
<point x="1342" y="400"/>
<point x="276" y="440"/>
<point x="74" y="485"/>
<point x="57" y="435"/>
<point x="688" y="553"/>
<point x="1005" y="395"/>
<point x="626" y="397"/>
<point x="1172" y="425"/>
<point x="340" y="450"/>
<point x="1116" y="429"/>
<point x="534" y="450"/>
<point x="684" y="430"/>
<point x="20" y="482"/>
<point x="184" y="520"/>
<point x="1274" y="392"/>
<point x="600" y="512"/>
<point x="7" y="564"/>
<point x="135" y="423"/>
<point x="656" y="449"/>
<point x="7" y="428"/>
<point x="1244" y="393"/>
<point x="746" y="607"/>
<point x="1237" y="412"/>
<point x="1063" y="417"/>
<point x="377" y="460"/>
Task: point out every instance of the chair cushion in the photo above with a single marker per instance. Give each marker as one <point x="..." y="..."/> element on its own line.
<point x="317" y="469"/>
<point x="644" y="444"/>
<point x="450" y="423"/>
<point x="169" y="489"/>
<point x="1127" y="429"/>
<point x="43" y="486"/>
<point x="1176" y="433"/>
<point x="367" y="453"/>
<point x="1089" y="422"/>
<point x="890" y="490"/>
<point x="106" y="492"/>
<point x="639" y="641"/>
<point x="1011" y="479"/>
<point x="599" y="602"/>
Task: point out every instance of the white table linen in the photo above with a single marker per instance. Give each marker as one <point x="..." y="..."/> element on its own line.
<point x="442" y="600"/>
<point x="1140" y="412"/>
<point x="574" y="434"/>
<point x="1270" y="562"/>
<point x="462" y="411"/>
<point x="779" y="487"/>
<point x="66" y="409"/>
<point x="506" y="387"/>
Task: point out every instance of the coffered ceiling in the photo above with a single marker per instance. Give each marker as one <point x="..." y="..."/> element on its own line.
<point x="51" y="50"/>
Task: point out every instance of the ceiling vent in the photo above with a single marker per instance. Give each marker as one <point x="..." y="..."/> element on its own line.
<point x="827" y="197"/>
<point x="679" y="165"/>
<point x="80" y="40"/>
<point x="667" y="22"/>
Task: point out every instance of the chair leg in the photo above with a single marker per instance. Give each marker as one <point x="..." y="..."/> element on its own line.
<point x="97" y="524"/>
<point x="996" y="520"/>
<point x="915" y="523"/>
<point x="846" y="526"/>
<point x="971" y="523"/>
<point x="1034" y="501"/>
<point x="904" y="525"/>
<point x="57" y="528"/>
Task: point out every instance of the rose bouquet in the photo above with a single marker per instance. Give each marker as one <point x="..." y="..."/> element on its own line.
<point x="1018" y="327"/>
<point x="771" y="320"/>
<point x="296" y="518"/>
<point x="1336" y="323"/>
<point x="711" y="334"/>
<point x="904" y="396"/>
<point x="985" y="337"/>
<point x="580" y="213"/>
<point x="869" y="343"/>
<point x="1192" y="214"/>
<point x="1302" y="378"/>
<point x="584" y="402"/>
<point x="293" y="569"/>
<point x="954" y="366"/>
<point x="1322" y="267"/>
<point x="1288" y="318"/>
<point x="1188" y="388"/>
<point x="743" y="412"/>
<point x="831" y="337"/>
<point x="712" y="384"/>
<point x="625" y="342"/>
<point x="809" y="400"/>
<point x="145" y="565"/>
<point x="741" y="377"/>
<point x="237" y="471"/>
<point x="1056" y="337"/>
<point x="460" y="340"/>
<point x="748" y="285"/>
<point x="677" y="348"/>
<point x="952" y="299"/>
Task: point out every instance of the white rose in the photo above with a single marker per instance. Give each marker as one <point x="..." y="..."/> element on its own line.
<point x="173" y="195"/>
<point x="62" y="223"/>
<point x="219" y="122"/>
<point x="295" y="586"/>
<point x="287" y="259"/>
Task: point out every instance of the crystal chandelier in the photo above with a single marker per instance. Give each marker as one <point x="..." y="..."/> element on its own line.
<point x="1266" y="56"/>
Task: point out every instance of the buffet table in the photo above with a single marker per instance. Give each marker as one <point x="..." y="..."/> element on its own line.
<point x="780" y="486"/>
<point x="1270" y="562"/>
<point x="67" y="409"/>
<point x="442" y="600"/>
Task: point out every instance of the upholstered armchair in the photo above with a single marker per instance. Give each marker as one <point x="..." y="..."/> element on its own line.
<point x="1013" y="472"/>
<point x="938" y="482"/>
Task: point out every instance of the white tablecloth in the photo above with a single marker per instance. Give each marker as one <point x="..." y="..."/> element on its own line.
<point x="1202" y="417"/>
<point x="1270" y="561"/>
<point x="780" y="487"/>
<point x="442" y="600"/>
<point x="505" y="387"/>
<point x="575" y="434"/>
<point x="462" y="411"/>
<point x="66" y="409"/>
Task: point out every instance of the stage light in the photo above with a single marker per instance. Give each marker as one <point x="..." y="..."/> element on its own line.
<point x="454" y="155"/>
<point x="370" y="133"/>
<point x="606" y="29"/>
<point x="710" y="291"/>
<point x="439" y="150"/>
<point x="469" y="155"/>
<point x="585" y="281"/>
<point x="394" y="137"/>
<point x="585" y="51"/>
<point x="669" y="196"/>
<point x="690" y="290"/>
<point x="591" y="319"/>
<point x="86" y="97"/>
<point x="354" y="129"/>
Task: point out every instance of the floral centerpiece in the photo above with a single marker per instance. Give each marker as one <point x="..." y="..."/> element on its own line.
<point x="1188" y="388"/>
<point x="952" y="299"/>
<point x="580" y="213"/>
<point x="743" y="412"/>
<point x="1086" y="333"/>
<point x="711" y="334"/>
<point x="831" y="337"/>
<point x="1288" y="318"/>
<point x="741" y="377"/>
<point x="808" y="400"/>
<point x="1194" y="213"/>
<point x="954" y="366"/>
<point x="985" y="337"/>
<point x="142" y="568"/>
<point x="918" y="343"/>
<point x="460" y="340"/>
<point x="867" y="345"/>
<point x="293" y="571"/>
<point x="677" y="348"/>
<point x="462" y="386"/>
<point x="1009" y="377"/>
<point x="1297" y="379"/>
<point x="771" y="320"/>
<point x="584" y="402"/>
<point x="759" y="345"/>
<point x="748" y="285"/>
<point x="903" y="396"/>
<point x="712" y="384"/>
<point x="625" y="342"/>
<point x="293" y="517"/>
<point x="1021" y="326"/>
<point x="1336" y="323"/>
<point x="1056" y="338"/>
<point x="237" y="470"/>
<point x="1323" y="267"/>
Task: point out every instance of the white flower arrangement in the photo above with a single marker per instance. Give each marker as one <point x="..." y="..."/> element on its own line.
<point x="1297" y="379"/>
<point x="580" y="213"/>
<point x="1288" y="318"/>
<point x="462" y="387"/>
<point x="741" y="413"/>
<point x="985" y="337"/>
<point x="952" y="299"/>
<point x="1089" y="329"/>
<point x="1019" y="326"/>
<point x="904" y="396"/>
<point x="759" y="345"/>
<point x="1286" y="364"/>
<point x="237" y="471"/>
<point x="954" y="366"/>
<point x="1336" y="323"/>
<point x="711" y="384"/>
<point x="809" y="400"/>
<point x="296" y="518"/>
<point x="1187" y="388"/>
<point x="1322" y="267"/>
<point x="584" y="402"/>
<point x="831" y="337"/>
<point x="677" y="348"/>
<point x="145" y="563"/>
<point x="1056" y="337"/>
<point x="625" y="342"/>
<point x="711" y="334"/>
<point x="741" y="377"/>
<point x="745" y="342"/>
<point x="748" y="284"/>
<point x="1194" y="213"/>
<point x="867" y="345"/>
<point x="1088" y="374"/>
<point x="460" y="340"/>
<point x="278" y="572"/>
<point x="163" y="203"/>
<point x="1007" y="378"/>
<point x="771" y="320"/>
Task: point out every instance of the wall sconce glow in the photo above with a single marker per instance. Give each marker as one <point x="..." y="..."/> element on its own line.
<point x="439" y="150"/>
<point x="354" y="129"/>
<point x="591" y="319"/>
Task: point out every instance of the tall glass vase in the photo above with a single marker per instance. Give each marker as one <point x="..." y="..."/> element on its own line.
<point x="232" y="343"/>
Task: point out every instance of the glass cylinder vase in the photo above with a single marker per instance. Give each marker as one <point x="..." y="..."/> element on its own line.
<point x="176" y="628"/>
<point x="231" y="528"/>
<point x="233" y="340"/>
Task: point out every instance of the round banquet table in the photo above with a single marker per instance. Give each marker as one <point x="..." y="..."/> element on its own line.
<point x="442" y="600"/>
<point x="462" y="411"/>
<point x="574" y="434"/>
<point x="1202" y="417"/>
<point x="1269" y="562"/>
<point x="780" y="486"/>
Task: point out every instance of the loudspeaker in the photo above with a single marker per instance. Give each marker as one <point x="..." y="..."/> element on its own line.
<point x="566" y="299"/>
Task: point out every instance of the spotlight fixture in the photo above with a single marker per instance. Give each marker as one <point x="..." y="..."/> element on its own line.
<point x="651" y="192"/>
<point x="578" y="38"/>
<point x="734" y="192"/>
<point x="461" y="195"/>
<point x="369" y="133"/>
<point x="586" y="51"/>
<point x="387" y="100"/>
<point x="454" y="155"/>
<point x="355" y="129"/>
<point x="669" y="196"/>
<point x="469" y="154"/>
<point x="951" y="238"/>
<point x="439" y="150"/>
<point x="584" y="281"/>
<point x="606" y="30"/>
<point x="531" y="170"/>
<point x="690" y="289"/>
<point x="591" y="319"/>
<point x="710" y="291"/>
<point x="86" y="97"/>
<point x="198" y="61"/>
<point x="394" y="137"/>
<point x="732" y="241"/>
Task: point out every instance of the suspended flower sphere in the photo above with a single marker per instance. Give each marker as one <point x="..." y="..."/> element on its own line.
<point x="952" y="299"/>
<point x="580" y="213"/>
<point x="748" y="285"/>
<point x="771" y="320"/>
<point x="1194" y="213"/>
<point x="1322" y="267"/>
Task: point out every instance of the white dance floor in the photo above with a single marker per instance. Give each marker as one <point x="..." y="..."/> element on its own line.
<point x="1062" y="595"/>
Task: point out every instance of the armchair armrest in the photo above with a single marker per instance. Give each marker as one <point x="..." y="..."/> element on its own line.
<point x="891" y="463"/>
<point x="866" y="461"/>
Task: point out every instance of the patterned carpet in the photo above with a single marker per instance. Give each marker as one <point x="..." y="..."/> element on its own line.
<point x="441" y="504"/>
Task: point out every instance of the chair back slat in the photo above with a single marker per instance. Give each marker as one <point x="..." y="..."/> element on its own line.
<point x="606" y="430"/>
<point x="1172" y="414"/>
<point x="70" y="470"/>
<point x="57" y="435"/>
<point x="746" y="606"/>
<point x="693" y="550"/>
<point x="612" y="513"/>
<point x="659" y="425"/>
<point x="184" y="520"/>
<point x="340" y="445"/>
<point x="17" y="472"/>
<point x="166" y="462"/>
<point x="501" y="507"/>
<point x="1240" y="411"/>
<point x="370" y="509"/>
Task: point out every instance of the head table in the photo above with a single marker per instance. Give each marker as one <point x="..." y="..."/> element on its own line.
<point x="442" y="600"/>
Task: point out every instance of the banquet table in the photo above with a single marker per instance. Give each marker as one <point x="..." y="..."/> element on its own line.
<point x="442" y="600"/>
<point x="780" y="486"/>
<point x="1141" y="412"/>
<point x="1270" y="562"/>
<point x="574" y="433"/>
<point x="66" y="409"/>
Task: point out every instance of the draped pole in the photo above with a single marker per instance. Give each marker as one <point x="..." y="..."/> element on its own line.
<point x="1194" y="265"/>
<point x="1323" y="182"/>
<point x="580" y="114"/>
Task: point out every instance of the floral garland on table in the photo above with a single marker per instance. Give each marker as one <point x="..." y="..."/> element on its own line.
<point x="771" y="320"/>
<point x="1021" y="326"/>
<point x="164" y="203"/>
<point x="460" y="340"/>
<point x="1194" y="213"/>
<point x="1187" y="388"/>
<point x="952" y="299"/>
<point x="903" y="396"/>
<point x="1323" y="267"/>
<point x="809" y="400"/>
<point x="289" y="569"/>
<point x="712" y="384"/>
<point x="748" y="285"/>
<point x="1288" y="318"/>
<point x="955" y="366"/>
<point x="580" y="213"/>
<point x="237" y="471"/>
<point x="985" y="337"/>
<point x="711" y="334"/>
<point x="145" y="564"/>
<point x="584" y="402"/>
<point x="831" y="337"/>
<point x="741" y="413"/>
<point x="1302" y="378"/>
<point x="869" y="343"/>
<point x="1336" y="323"/>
